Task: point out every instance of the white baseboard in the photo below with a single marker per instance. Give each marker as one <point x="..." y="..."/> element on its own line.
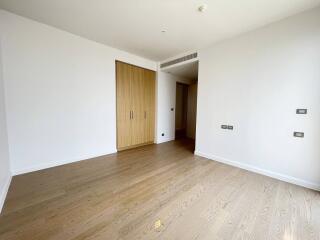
<point x="4" y="191"/>
<point x="55" y="164"/>
<point x="268" y="173"/>
<point x="164" y="140"/>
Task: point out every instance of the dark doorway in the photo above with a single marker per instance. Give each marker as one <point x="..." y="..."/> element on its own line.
<point x="181" y="110"/>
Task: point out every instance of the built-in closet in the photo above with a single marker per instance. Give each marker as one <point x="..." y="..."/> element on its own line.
<point x="135" y="105"/>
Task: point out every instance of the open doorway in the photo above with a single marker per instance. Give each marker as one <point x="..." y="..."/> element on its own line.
<point x="186" y="99"/>
<point x="181" y="110"/>
<point x="186" y="110"/>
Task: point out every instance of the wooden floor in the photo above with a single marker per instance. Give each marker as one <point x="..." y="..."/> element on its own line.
<point x="157" y="192"/>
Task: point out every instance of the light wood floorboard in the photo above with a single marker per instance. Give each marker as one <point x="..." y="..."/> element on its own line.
<point x="124" y="195"/>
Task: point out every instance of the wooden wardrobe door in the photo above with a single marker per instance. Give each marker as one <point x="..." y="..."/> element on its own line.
<point x="137" y="100"/>
<point x="123" y="85"/>
<point x="149" y="105"/>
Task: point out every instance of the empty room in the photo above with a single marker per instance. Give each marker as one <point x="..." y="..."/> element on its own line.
<point x="159" y="119"/>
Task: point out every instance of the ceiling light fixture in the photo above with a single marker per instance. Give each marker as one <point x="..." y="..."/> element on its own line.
<point x="202" y="8"/>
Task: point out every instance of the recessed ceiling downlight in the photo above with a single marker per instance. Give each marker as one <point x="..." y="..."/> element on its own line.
<point x="163" y="31"/>
<point x="202" y="8"/>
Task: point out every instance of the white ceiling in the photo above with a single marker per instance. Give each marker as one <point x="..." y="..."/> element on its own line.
<point x="135" y="25"/>
<point x="186" y="70"/>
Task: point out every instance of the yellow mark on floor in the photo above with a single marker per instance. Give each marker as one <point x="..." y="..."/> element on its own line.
<point x="157" y="224"/>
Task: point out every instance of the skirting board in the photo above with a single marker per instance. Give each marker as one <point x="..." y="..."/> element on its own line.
<point x="55" y="164"/>
<point x="159" y="141"/>
<point x="4" y="191"/>
<point x="268" y="173"/>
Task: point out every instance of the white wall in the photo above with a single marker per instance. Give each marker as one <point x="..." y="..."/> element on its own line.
<point x="166" y="99"/>
<point x="5" y="174"/>
<point x="60" y="94"/>
<point x="255" y="82"/>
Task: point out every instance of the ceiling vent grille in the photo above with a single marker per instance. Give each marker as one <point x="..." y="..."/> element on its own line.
<point x="179" y="60"/>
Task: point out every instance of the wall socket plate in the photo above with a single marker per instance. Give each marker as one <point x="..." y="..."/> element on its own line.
<point x="298" y="134"/>
<point x="229" y="127"/>
<point x="301" y="111"/>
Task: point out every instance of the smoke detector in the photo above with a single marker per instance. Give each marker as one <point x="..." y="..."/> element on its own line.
<point x="202" y="8"/>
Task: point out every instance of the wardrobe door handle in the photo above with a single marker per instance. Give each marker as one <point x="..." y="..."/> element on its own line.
<point x="132" y="115"/>
<point x="145" y="114"/>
